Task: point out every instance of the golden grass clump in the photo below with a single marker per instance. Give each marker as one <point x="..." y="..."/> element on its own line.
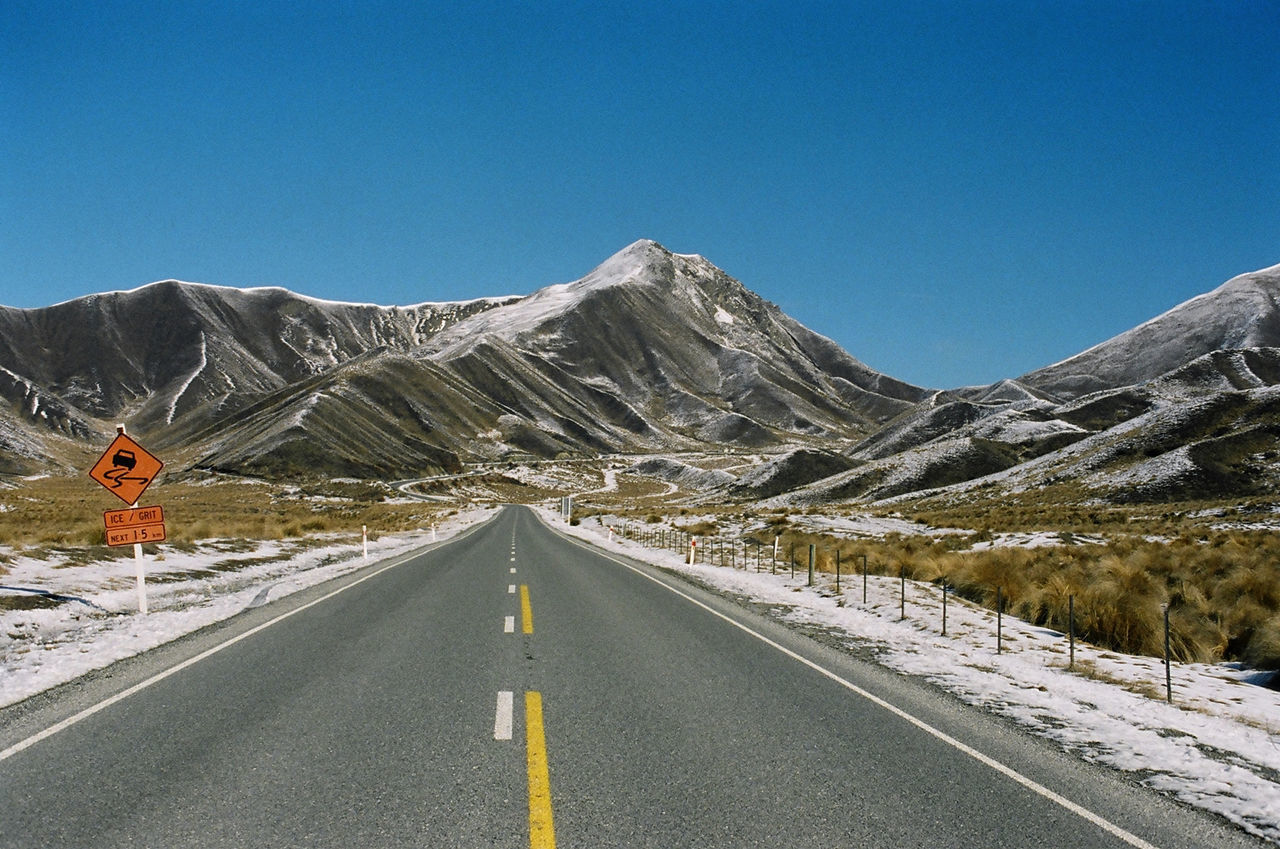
<point x="1222" y="588"/>
<point x="68" y="511"/>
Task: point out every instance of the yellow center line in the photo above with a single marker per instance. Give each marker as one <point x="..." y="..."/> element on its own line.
<point x="526" y="610"/>
<point x="542" y="833"/>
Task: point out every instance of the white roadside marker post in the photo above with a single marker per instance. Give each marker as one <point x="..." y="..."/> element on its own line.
<point x="142" y="574"/>
<point x="364" y="537"/>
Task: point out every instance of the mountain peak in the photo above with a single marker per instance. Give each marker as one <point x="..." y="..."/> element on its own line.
<point x="637" y="260"/>
<point x="647" y="260"/>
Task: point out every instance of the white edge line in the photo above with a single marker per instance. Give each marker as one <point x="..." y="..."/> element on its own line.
<point x="503" y="720"/>
<point x="191" y="661"/>
<point x="1003" y="769"/>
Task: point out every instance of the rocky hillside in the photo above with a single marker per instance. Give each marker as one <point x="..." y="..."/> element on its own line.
<point x="649" y="351"/>
<point x="1240" y="314"/>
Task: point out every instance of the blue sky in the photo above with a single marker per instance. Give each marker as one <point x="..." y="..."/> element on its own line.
<point x="955" y="191"/>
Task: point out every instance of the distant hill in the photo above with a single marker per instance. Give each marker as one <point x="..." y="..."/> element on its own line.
<point x="1242" y="313"/>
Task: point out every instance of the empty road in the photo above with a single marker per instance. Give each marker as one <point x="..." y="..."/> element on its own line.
<point x="516" y="688"/>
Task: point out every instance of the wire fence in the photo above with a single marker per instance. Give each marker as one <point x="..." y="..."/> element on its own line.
<point x="753" y="553"/>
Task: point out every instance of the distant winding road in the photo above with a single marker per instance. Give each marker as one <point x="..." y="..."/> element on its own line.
<point x="516" y="688"/>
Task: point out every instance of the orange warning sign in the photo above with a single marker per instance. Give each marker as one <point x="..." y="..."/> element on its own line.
<point x="135" y="534"/>
<point x="133" y="517"/>
<point x="126" y="469"/>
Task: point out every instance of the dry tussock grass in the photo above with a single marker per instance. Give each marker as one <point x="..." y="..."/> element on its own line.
<point x="67" y="512"/>
<point x="1222" y="588"/>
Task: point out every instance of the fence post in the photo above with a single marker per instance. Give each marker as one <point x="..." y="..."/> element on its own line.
<point x="1168" y="673"/>
<point x="864" y="578"/>
<point x="999" y="622"/>
<point x="1071" y="630"/>
<point x="902" y="599"/>
<point x="944" y="606"/>
<point x="813" y="553"/>
<point x="837" y="571"/>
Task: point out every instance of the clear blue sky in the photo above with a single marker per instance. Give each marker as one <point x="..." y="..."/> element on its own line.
<point x="955" y="191"/>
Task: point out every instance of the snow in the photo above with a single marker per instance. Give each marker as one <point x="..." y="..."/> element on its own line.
<point x="610" y="483"/>
<point x="508" y="322"/>
<point x="1165" y="468"/>
<point x="1039" y="539"/>
<point x="1014" y="427"/>
<point x="48" y="646"/>
<point x="321" y="302"/>
<point x="867" y="525"/>
<point x="204" y="361"/>
<point x="722" y="316"/>
<point x="1216" y="746"/>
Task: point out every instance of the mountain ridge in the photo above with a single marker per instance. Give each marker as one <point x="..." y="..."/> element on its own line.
<point x="650" y="351"/>
<point x="1243" y="312"/>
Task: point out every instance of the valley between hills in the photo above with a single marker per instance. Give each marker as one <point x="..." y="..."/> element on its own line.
<point x="1142" y="472"/>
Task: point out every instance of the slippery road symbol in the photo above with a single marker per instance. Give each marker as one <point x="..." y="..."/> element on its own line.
<point x="123" y="462"/>
<point x="126" y="469"/>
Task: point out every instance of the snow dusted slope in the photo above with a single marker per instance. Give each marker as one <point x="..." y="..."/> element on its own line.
<point x="162" y="351"/>
<point x="647" y="317"/>
<point x="653" y="350"/>
<point x="1244" y="312"/>
<point x="649" y="352"/>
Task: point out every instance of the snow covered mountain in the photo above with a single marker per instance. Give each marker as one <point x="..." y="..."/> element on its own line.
<point x="169" y="348"/>
<point x="649" y="352"/>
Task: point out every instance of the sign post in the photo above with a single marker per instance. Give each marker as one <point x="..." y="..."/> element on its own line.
<point x="126" y="469"/>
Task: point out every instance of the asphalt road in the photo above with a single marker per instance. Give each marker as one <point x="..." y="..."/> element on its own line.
<point x="515" y="688"/>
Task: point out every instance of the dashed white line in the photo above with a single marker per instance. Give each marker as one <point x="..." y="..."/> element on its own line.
<point x="502" y="722"/>
<point x="511" y="589"/>
<point x="509" y="625"/>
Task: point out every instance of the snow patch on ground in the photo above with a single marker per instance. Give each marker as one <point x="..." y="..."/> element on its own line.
<point x="52" y="644"/>
<point x="867" y="525"/>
